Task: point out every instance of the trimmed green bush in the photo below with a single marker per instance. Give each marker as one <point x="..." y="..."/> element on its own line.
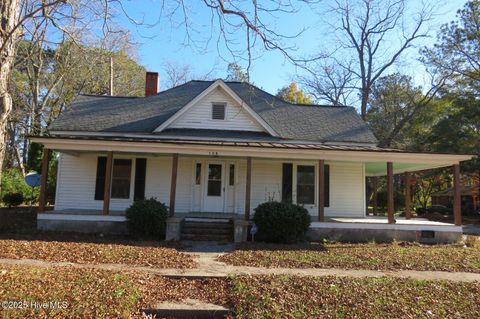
<point x="147" y="218"/>
<point x="12" y="199"/>
<point x="13" y="182"/>
<point x="281" y="222"/>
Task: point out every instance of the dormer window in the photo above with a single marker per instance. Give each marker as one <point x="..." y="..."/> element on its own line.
<point x="218" y="111"/>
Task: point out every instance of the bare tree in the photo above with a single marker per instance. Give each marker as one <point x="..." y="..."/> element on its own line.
<point x="177" y="74"/>
<point x="9" y="31"/>
<point x="365" y="30"/>
<point x="334" y="86"/>
<point x="18" y="17"/>
<point x="72" y="17"/>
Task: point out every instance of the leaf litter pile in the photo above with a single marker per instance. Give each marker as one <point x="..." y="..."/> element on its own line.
<point x="90" y="293"/>
<point x="395" y="256"/>
<point x="151" y="254"/>
<point x="334" y="297"/>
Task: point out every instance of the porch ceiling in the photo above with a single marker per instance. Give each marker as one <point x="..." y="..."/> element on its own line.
<point x="380" y="168"/>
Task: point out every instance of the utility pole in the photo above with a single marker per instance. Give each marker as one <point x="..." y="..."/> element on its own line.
<point x="111" y="75"/>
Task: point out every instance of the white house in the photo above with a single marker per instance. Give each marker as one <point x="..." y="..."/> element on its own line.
<point x="216" y="147"/>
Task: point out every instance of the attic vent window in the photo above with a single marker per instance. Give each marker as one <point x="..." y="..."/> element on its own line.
<point x="218" y="111"/>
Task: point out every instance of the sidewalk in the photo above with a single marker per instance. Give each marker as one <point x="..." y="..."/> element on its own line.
<point x="209" y="267"/>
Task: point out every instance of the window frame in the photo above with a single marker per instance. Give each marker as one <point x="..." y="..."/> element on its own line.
<point x="132" y="168"/>
<point x="217" y="104"/>
<point x="315" y="183"/>
<point x="294" y="181"/>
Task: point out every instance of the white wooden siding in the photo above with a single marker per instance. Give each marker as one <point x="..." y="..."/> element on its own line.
<point x="266" y="182"/>
<point x="347" y="190"/>
<point x="157" y="178"/>
<point x="76" y="184"/>
<point x="200" y="115"/>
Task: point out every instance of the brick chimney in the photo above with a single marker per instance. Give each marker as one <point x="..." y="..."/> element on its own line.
<point x="151" y="83"/>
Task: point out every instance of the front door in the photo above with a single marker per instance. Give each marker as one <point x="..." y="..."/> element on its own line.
<point x="215" y="188"/>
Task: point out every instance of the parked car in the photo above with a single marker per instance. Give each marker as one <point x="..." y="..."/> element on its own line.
<point x="444" y="210"/>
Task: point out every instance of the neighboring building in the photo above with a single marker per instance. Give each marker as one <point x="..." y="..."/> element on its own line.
<point x="469" y="196"/>
<point x="216" y="147"/>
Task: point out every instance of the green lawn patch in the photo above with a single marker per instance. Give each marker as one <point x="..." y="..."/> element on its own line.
<point x="395" y="256"/>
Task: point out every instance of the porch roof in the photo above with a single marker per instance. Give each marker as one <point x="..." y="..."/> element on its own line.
<point x="373" y="157"/>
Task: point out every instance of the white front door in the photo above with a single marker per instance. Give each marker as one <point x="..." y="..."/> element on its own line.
<point x="215" y="187"/>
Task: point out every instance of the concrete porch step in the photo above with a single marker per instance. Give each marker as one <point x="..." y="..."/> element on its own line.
<point x="206" y="237"/>
<point x="208" y="225"/>
<point x="206" y="230"/>
<point x="189" y="308"/>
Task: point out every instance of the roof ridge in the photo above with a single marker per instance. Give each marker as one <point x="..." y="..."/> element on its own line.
<point x="110" y="96"/>
<point x="286" y="102"/>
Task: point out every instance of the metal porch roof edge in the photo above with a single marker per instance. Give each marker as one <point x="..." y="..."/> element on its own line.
<point x="255" y="144"/>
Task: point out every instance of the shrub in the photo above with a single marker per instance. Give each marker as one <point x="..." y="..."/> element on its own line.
<point x="147" y="218"/>
<point x="281" y="222"/>
<point x="398" y="199"/>
<point x="12" y="199"/>
<point x="13" y="182"/>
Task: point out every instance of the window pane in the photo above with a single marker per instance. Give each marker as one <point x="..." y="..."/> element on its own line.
<point x="121" y="178"/>
<point x="214" y="188"/>
<point x="198" y="173"/>
<point x="305" y="184"/>
<point x="215" y="171"/>
<point x="231" y="180"/>
<point x="214" y="184"/>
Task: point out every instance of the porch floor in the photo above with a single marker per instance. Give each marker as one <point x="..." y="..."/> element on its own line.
<point x="376" y="220"/>
<point x="384" y="220"/>
<point x="93" y="212"/>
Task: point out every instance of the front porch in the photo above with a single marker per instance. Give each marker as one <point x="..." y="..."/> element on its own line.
<point x="213" y="180"/>
<point x="371" y="228"/>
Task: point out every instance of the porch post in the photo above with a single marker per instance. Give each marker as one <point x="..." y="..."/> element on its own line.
<point x="248" y="188"/>
<point x="390" y="204"/>
<point x="457" y="196"/>
<point x="43" y="180"/>
<point x="108" y="183"/>
<point x="408" y="200"/>
<point x="321" y="190"/>
<point x="173" y="184"/>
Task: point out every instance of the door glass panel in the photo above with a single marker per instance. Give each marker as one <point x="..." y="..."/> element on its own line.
<point x="198" y="173"/>
<point x="214" y="187"/>
<point x="231" y="178"/>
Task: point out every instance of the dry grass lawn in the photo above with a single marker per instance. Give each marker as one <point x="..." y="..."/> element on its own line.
<point x="92" y="250"/>
<point x="87" y="293"/>
<point x="395" y="256"/>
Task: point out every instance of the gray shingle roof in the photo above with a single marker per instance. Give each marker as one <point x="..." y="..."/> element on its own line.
<point x="145" y="114"/>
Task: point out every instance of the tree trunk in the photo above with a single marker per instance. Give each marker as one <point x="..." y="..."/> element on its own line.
<point x="9" y="18"/>
<point x="363" y="107"/>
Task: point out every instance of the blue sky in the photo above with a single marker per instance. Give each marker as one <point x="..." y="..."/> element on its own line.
<point x="165" y="41"/>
